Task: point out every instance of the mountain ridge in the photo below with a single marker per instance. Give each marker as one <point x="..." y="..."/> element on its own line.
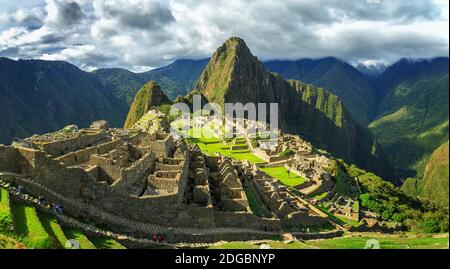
<point x="39" y="96"/>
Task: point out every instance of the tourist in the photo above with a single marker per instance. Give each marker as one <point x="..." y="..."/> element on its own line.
<point x="155" y="238"/>
<point x="161" y="238"/>
<point x="54" y="208"/>
<point x="41" y="200"/>
<point x="20" y="189"/>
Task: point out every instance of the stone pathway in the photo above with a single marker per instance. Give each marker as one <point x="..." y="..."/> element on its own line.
<point x="140" y="227"/>
<point x="72" y="222"/>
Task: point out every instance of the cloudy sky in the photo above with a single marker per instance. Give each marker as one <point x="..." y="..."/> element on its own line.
<point x="143" y="34"/>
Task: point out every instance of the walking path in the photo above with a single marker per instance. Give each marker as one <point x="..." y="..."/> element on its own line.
<point x="129" y="225"/>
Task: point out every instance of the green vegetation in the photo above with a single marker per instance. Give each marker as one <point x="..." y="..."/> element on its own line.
<point x="435" y="183"/>
<point x="175" y="79"/>
<point x="72" y="233"/>
<point x="413" y="122"/>
<point x="284" y="176"/>
<point x="326" y="124"/>
<point x="235" y="245"/>
<point x="29" y="228"/>
<point x="63" y="94"/>
<point x="339" y="219"/>
<point x="392" y="204"/>
<point x="385" y="242"/>
<point x="287" y="153"/>
<point x="214" y="81"/>
<point x="343" y="80"/>
<point x="272" y="244"/>
<point x="105" y="243"/>
<point x="355" y="242"/>
<point x="53" y="228"/>
<point x="149" y="96"/>
<point x="7" y="242"/>
<point x="321" y="196"/>
<point x="213" y="146"/>
<point x="6" y="221"/>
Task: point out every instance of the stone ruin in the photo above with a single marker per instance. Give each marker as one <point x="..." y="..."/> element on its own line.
<point x="145" y="176"/>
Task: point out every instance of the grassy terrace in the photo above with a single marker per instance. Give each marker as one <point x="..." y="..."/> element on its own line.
<point x="272" y="244"/>
<point x="282" y="174"/>
<point x="105" y="243"/>
<point x="28" y="227"/>
<point x="52" y="227"/>
<point x="212" y="145"/>
<point x="358" y="242"/>
<point x="385" y="242"/>
<point x="21" y="226"/>
<point x="85" y="243"/>
<point x="6" y="222"/>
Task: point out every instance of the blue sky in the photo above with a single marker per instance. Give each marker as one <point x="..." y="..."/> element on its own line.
<point x="143" y="34"/>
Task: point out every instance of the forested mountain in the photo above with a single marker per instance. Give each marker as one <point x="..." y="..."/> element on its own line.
<point x="42" y="96"/>
<point x="176" y="79"/>
<point x="353" y="87"/>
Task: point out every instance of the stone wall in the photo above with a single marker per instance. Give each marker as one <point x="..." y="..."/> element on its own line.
<point x="245" y="220"/>
<point x="162" y="148"/>
<point x="63" y="180"/>
<point x="58" y="148"/>
<point x="138" y="172"/>
<point x="9" y="159"/>
<point x="83" y="155"/>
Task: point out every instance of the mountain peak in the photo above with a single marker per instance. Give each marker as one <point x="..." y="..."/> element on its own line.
<point x="236" y="41"/>
<point x="230" y="62"/>
<point x="149" y="96"/>
<point x="234" y="46"/>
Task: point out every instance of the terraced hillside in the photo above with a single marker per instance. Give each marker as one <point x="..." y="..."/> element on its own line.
<point x="22" y="226"/>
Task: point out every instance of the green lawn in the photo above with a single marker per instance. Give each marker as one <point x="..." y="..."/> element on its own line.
<point x="348" y="243"/>
<point x="52" y="227"/>
<point x="281" y="173"/>
<point x="6" y="222"/>
<point x="28" y="227"/>
<point x="105" y="243"/>
<point x="384" y="243"/>
<point x="72" y="233"/>
<point x="212" y="146"/>
<point x="321" y="196"/>
<point x="235" y="245"/>
<point x="273" y="244"/>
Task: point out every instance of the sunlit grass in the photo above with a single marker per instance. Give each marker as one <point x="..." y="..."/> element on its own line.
<point x="282" y="174"/>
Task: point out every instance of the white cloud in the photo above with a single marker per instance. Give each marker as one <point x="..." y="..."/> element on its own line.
<point x="141" y="34"/>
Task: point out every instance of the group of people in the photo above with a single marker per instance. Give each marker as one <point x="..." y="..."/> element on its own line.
<point x="57" y="208"/>
<point x="160" y="238"/>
